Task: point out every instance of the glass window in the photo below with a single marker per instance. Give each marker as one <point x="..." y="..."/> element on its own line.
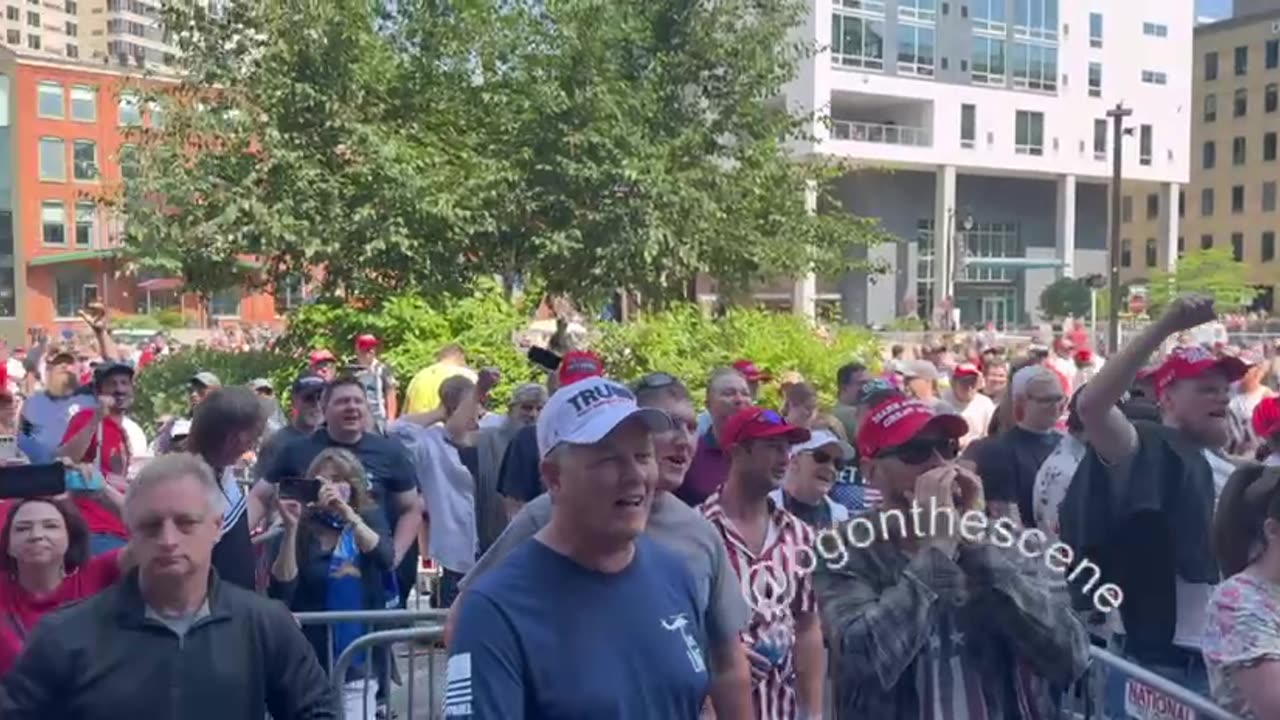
<point x="1145" y="145"/>
<point x="1269" y="97"/>
<point x="53" y="159"/>
<point x="1182" y="245"/>
<point x="1206" y="242"/>
<point x="1155" y="29"/>
<point x="1206" y="202"/>
<point x="988" y="60"/>
<point x="1237" y="247"/>
<point x="86" y="223"/>
<point x="1269" y="196"/>
<point x="1153" y="206"/>
<point x="1035" y="67"/>
<point x="1126" y="209"/>
<point x="1209" y="155"/>
<point x="130" y="110"/>
<point x="1095" y="29"/>
<point x="1268" y="146"/>
<point x="988" y="16"/>
<point x="225" y="303"/>
<point x="84" y="158"/>
<point x="1151" y="252"/>
<point x="915" y="50"/>
<point x="1237" y="199"/>
<point x="53" y="222"/>
<point x="13" y="14"/>
<point x="128" y="158"/>
<point x="1273" y="54"/>
<point x="1268" y="246"/>
<point x="33" y="19"/>
<point x="290" y="294"/>
<point x="1126" y="253"/>
<point x="1240" y="103"/>
<point x="1095" y="79"/>
<point x="4" y="104"/>
<point x="857" y="41"/>
<point x="73" y="288"/>
<point x="33" y="41"/>
<point x="1239" y="147"/>
<point x="8" y="294"/>
<point x="1211" y="66"/>
<point x="968" y="125"/>
<point x="1182" y="203"/>
<point x="49" y="100"/>
<point x="1210" y="107"/>
<point x="1154" y="77"/>
<point x="1100" y="139"/>
<point x="1242" y="60"/>
<point x="1028" y="133"/>
<point x="84" y="103"/>
<point x="922" y="10"/>
<point x="1036" y="19"/>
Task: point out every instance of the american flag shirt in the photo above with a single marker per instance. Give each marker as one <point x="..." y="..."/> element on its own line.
<point x="778" y="590"/>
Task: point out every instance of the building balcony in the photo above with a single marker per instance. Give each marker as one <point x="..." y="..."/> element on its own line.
<point x="859" y="131"/>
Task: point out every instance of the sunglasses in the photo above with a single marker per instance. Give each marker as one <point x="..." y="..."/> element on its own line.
<point x="655" y="381"/>
<point x="822" y="457"/>
<point x="768" y="417"/>
<point x="920" y="451"/>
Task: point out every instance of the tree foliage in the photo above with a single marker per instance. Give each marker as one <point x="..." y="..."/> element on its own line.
<point x="414" y="146"/>
<point x="1063" y="297"/>
<point x="1214" y="272"/>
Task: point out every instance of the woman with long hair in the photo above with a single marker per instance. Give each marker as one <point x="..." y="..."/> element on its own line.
<point x="1242" y="633"/>
<point x="44" y="565"/>
<point x="336" y="554"/>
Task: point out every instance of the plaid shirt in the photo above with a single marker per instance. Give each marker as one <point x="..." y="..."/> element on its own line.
<point x="880" y="607"/>
<point x="792" y="595"/>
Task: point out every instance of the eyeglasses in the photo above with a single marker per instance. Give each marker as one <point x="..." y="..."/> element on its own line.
<point x="919" y="451"/>
<point x="655" y="381"/>
<point x="822" y="457"/>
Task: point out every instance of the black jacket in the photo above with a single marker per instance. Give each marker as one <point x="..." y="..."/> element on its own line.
<point x="103" y="659"/>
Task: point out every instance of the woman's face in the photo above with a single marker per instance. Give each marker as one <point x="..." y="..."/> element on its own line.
<point x="38" y="535"/>
<point x="329" y="474"/>
<point x="802" y="414"/>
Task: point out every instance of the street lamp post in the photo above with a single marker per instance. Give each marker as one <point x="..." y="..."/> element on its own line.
<point x="959" y="255"/>
<point x="1117" y="115"/>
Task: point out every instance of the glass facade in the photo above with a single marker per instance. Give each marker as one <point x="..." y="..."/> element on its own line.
<point x="984" y="294"/>
<point x="8" y="277"/>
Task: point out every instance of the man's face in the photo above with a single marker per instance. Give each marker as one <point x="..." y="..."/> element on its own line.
<point x="120" y="387"/>
<point x="920" y="387"/>
<point x="1065" y="349"/>
<point x="525" y="412"/>
<point x="849" y="392"/>
<point x="816" y="470"/>
<point x="605" y="489"/>
<point x="674" y="448"/>
<point x="1041" y="407"/>
<point x="765" y="460"/>
<point x="307" y="406"/>
<point x="347" y="409"/>
<point x="1198" y="406"/>
<point x="995" y="378"/>
<point x="172" y="529"/>
<point x="893" y="471"/>
<point x="197" y="392"/>
<point x="965" y="387"/>
<point x="726" y="396"/>
<point x="61" y="372"/>
<point x="326" y="370"/>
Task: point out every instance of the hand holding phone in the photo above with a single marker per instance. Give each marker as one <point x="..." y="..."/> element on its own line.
<point x="303" y="490"/>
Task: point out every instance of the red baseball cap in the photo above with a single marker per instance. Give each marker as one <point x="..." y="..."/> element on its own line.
<point x="1084" y="355"/>
<point x="322" y="356"/>
<point x="579" y="365"/>
<point x="366" y="342"/>
<point x="1266" y="417"/>
<point x="749" y="371"/>
<point x="757" y="423"/>
<point x="898" y="420"/>
<point x="966" y="370"/>
<point x="1185" y="363"/>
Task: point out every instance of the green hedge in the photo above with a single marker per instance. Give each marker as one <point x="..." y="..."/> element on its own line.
<point x="162" y="385"/>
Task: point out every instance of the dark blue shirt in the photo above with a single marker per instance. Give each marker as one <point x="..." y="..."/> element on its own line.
<point x="519" y="477"/>
<point x="542" y="638"/>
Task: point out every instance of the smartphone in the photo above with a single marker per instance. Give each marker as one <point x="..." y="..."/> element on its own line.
<point x="301" y="489"/>
<point x="28" y="481"/>
<point x="8" y="447"/>
<point x="544" y="358"/>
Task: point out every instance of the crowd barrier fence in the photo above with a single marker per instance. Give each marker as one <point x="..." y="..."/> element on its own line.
<point x="1118" y="689"/>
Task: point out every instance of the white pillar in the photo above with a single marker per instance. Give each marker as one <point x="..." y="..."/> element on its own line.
<point x="1065" y="229"/>
<point x="804" y="291"/>
<point x="944" y="209"/>
<point x="1169" y="224"/>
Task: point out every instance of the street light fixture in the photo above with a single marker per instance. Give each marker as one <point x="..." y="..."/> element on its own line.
<point x="1117" y="115"/>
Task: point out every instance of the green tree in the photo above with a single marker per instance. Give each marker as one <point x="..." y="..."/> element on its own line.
<point x="1063" y="297"/>
<point x="1213" y="272"/>
<point x="585" y="145"/>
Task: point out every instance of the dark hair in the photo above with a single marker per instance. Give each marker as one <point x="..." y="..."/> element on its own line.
<point x="450" y="350"/>
<point x="1074" y="423"/>
<point x="344" y="380"/>
<point x="896" y="351"/>
<point x="647" y="394"/>
<point x="799" y="394"/>
<point x="453" y="390"/>
<point x="845" y="374"/>
<point x="77" y="534"/>
<point x="224" y="411"/>
<point x="1247" y="501"/>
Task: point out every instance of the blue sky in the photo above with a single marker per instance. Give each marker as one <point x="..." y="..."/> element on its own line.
<point x="1213" y="8"/>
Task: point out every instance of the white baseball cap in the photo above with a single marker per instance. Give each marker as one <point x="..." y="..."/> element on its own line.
<point x="586" y="411"/>
<point x="820" y="439"/>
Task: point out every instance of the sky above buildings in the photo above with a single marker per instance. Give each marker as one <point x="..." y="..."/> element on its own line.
<point x="1213" y="8"/>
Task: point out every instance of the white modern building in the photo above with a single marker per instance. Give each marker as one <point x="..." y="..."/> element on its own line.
<point x="979" y="128"/>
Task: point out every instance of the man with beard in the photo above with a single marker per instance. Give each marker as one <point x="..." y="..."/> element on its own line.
<point x="307" y="416"/>
<point x="1140" y="505"/>
<point x="678" y="528"/>
<point x="727" y="392"/>
<point x="765" y="544"/>
<point x="97" y="436"/>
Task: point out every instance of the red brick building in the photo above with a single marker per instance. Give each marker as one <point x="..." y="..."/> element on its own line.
<point x="61" y="144"/>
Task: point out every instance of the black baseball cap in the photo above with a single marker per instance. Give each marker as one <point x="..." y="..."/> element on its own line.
<point x="107" y="369"/>
<point x="308" y="383"/>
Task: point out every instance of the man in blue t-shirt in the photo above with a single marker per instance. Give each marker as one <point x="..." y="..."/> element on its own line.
<point x="587" y="619"/>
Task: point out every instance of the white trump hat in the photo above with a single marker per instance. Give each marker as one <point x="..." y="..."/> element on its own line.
<point x="586" y="411"/>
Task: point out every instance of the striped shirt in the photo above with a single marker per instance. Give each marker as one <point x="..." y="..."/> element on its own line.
<point x="778" y="588"/>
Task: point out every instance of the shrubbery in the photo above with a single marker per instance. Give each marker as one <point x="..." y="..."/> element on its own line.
<point x="162" y="385"/>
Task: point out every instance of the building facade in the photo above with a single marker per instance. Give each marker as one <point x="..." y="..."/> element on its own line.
<point x="1231" y="199"/>
<point x="125" y="33"/>
<point x="980" y="131"/>
<point x="51" y="28"/>
<point x="64" y="142"/>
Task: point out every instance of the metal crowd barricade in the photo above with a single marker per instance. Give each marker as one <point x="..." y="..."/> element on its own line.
<point x="1118" y="689"/>
<point x="405" y="694"/>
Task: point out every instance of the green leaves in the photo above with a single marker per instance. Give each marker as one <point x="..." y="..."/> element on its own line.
<point x="1213" y="272"/>
<point x="419" y="145"/>
<point x="1063" y="297"/>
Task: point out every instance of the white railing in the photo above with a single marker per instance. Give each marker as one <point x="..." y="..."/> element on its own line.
<point x="880" y="133"/>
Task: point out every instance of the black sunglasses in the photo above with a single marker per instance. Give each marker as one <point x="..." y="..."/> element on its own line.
<point x="822" y="457"/>
<point x="768" y="417"/>
<point x="919" y="451"/>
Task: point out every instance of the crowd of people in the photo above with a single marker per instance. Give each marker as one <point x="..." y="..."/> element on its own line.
<point x="625" y="548"/>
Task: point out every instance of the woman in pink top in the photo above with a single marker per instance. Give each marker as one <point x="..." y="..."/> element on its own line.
<point x="45" y="564"/>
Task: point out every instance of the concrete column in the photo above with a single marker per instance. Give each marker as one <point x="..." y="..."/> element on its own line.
<point x="1169" y="224"/>
<point x="1065" y="229"/>
<point x="944" y="210"/>
<point x="804" y="292"/>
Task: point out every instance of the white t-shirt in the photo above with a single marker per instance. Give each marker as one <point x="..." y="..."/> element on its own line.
<point x="135" y="437"/>
<point x="977" y="414"/>
<point x="1193" y="598"/>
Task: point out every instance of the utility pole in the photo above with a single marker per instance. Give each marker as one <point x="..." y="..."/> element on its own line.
<point x="1117" y="115"/>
